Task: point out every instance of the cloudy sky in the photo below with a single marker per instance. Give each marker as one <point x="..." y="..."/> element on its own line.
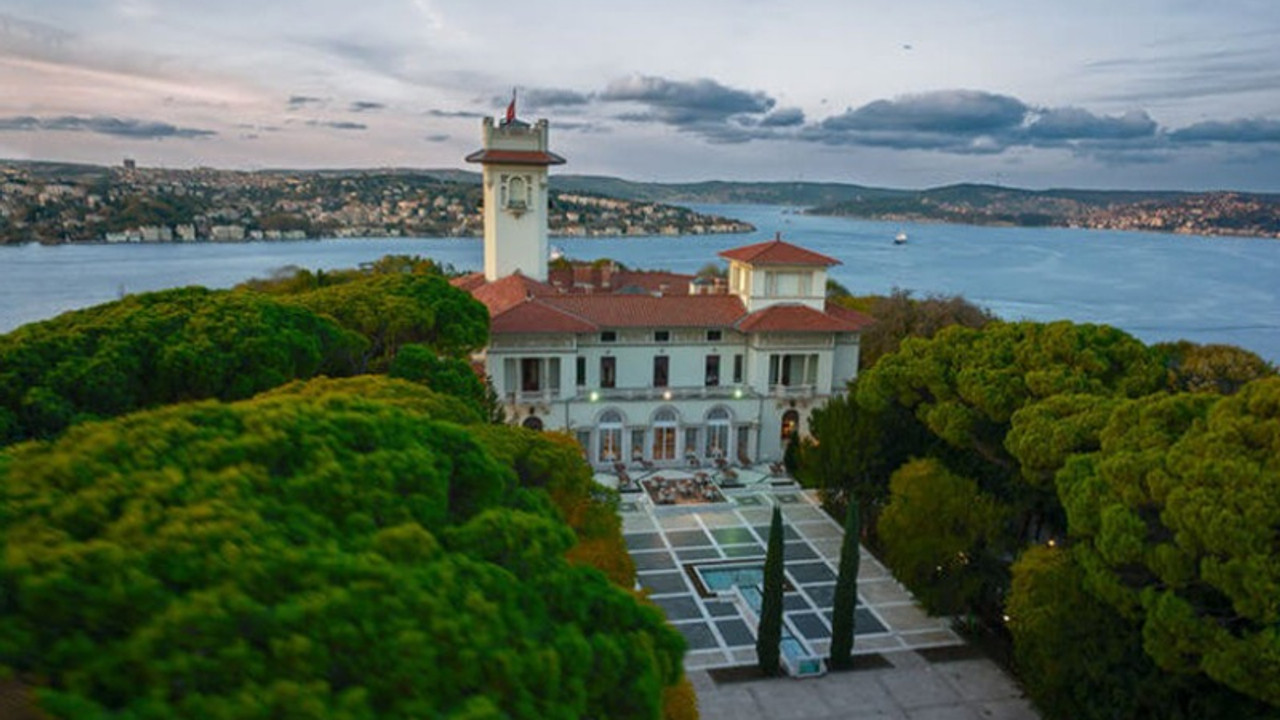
<point x="905" y="93"/>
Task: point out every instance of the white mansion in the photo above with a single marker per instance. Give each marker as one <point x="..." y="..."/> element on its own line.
<point x="650" y="365"/>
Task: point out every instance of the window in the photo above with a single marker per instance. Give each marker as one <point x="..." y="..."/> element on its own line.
<point x="662" y="336"/>
<point x="713" y="336"/>
<point x="661" y="365"/>
<point x="609" y="336"/>
<point x="516" y="194"/>
<point x="664" y="435"/>
<point x="770" y="284"/>
<point x="530" y="374"/>
<point x="637" y="444"/>
<point x="713" y="370"/>
<point x="790" y="423"/>
<point x="533" y="423"/>
<point x="581" y="372"/>
<point x="610" y="436"/>
<point x="717" y="433"/>
<point x="806" y="284"/>
<point x="608" y="371"/>
<point x="744" y="444"/>
<point x="737" y="369"/>
<point x="793" y="370"/>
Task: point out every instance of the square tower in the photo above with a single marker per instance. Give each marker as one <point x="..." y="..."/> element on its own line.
<point x="515" y="159"/>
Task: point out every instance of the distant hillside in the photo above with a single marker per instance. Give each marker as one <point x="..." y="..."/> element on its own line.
<point x="804" y="194"/>
<point x="1214" y="213"/>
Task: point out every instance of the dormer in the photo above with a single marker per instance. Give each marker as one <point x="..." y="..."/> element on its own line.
<point x="776" y="272"/>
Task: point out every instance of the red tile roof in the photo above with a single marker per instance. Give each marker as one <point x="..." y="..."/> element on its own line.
<point x="795" y="318"/>
<point x="508" y="291"/>
<point x="777" y="252"/>
<point x="849" y="315"/>
<point x="515" y="157"/>
<point x="617" y="311"/>
<point x="537" y="316"/>
<point x="468" y="282"/>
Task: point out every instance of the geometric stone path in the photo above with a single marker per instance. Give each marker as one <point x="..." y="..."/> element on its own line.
<point x="667" y="542"/>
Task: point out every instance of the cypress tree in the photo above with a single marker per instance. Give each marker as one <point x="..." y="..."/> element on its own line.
<point x="846" y="600"/>
<point x="769" y="631"/>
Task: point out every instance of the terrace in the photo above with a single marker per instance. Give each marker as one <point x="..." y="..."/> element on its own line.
<point x="677" y="545"/>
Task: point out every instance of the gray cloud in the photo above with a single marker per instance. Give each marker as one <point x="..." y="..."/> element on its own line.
<point x="132" y="128"/>
<point x="546" y="98"/>
<point x="684" y="103"/>
<point x="951" y="112"/>
<point x="972" y="122"/>
<point x="437" y="138"/>
<point x="338" y="124"/>
<point x="455" y="114"/>
<point x="1183" y="75"/>
<point x="783" y="117"/>
<point x="1256" y="130"/>
<point x="1070" y="123"/>
<point x="365" y="106"/>
<point x="297" y="102"/>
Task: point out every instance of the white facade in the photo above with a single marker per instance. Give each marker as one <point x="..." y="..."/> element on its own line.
<point x="709" y="371"/>
<point x="737" y="397"/>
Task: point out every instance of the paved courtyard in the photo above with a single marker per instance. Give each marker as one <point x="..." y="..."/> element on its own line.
<point x="670" y="544"/>
<point x="674" y="545"/>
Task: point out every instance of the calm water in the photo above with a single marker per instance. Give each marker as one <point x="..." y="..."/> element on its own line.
<point x="1158" y="287"/>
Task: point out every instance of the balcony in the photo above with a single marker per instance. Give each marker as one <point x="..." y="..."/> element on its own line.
<point x="531" y="397"/>
<point x="793" y="391"/>
<point x="719" y="392"/>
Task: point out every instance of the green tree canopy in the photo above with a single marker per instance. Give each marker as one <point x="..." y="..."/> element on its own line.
<point x="338" y="550"/>
<point x="1080" y="660"/>
<point x="1178" y="518"/>
<point x="941" y="535"/>
<point x="156" y="348"/>
<point x="966" y="385"/>
<point x="1221" y="369"/>
<point x="393" y="310"/>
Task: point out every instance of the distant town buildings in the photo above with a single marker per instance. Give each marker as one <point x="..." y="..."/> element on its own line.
<point x="130" y="204"/>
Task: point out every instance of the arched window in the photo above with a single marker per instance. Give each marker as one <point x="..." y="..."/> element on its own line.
<point x="517" y="191"/>
<point x="610" y="424"/>
<point x="790" y="424"/>
<point x="664" y="434"/>
<point x="533" y="423"/>
<point x="718" y="421"/>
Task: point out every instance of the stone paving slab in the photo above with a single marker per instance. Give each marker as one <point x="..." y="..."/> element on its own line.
<point x="912" y="689"/>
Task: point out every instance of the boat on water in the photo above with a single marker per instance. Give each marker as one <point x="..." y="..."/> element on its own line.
<point x="900" y="238"/>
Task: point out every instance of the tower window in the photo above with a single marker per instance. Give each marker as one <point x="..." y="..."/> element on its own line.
<point x="713" y="336"/>
<point x="609" y="336"/>
<point x="662" y="336"/>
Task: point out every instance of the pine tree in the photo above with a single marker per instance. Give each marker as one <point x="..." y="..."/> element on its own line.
<point x="846" y="600"/>
<point x="769" y="631"/>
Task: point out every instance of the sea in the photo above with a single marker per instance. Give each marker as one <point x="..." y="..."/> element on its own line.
<point x="1156" y="286"/>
